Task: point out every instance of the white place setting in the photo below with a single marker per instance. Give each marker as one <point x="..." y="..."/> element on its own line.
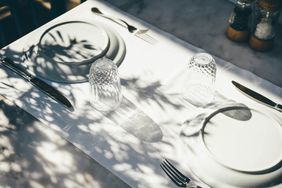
<point x="136" y="101"/>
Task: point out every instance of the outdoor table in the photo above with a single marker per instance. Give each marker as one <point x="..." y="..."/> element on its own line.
<point x="152" y="77"/>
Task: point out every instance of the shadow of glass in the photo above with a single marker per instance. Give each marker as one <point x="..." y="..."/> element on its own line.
<point x="241" y="112"/>
<point x="222" y="105"/>
<point x="135" y="122"/>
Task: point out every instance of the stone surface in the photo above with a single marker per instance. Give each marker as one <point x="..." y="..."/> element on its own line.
<point x="203" y="23"/>
<point x="34" y="156"/>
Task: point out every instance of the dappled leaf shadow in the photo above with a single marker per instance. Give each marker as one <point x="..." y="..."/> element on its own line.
<point x="33" y="155"/>
<point x="135" y="122"/>
<point x="151" y="92"/>
<point x="68" y="48"/>
<point x="66" y="57"/>
<point x="87" y="131"/>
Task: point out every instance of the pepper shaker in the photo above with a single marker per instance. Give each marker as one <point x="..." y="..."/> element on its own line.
<point x="264" y="28"/>
<point x="238" y="28"/>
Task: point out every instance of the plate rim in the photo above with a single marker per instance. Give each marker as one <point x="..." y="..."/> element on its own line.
<point x="275" y="165"/>
<point x="118" y="58"/>
<point x="86" y="61"/>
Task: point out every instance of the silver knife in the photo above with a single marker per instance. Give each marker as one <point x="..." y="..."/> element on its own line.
<point x="40" y="84"/>
<point x="258" y="97"/>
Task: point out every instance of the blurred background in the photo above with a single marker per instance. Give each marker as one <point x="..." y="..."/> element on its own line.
<point x="18" y="17"/>
<point x="201" y="23"/>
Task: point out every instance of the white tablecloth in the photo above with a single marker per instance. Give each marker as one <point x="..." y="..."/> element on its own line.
<point x="152" y="77"/>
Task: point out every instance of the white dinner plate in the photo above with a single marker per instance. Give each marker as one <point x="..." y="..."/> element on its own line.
<point x="237" y="152"/>
<point x="73" y="42"/>
<point x="64" y="52"/>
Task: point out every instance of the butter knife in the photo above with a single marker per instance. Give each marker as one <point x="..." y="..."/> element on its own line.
<point x="258" y="97"/>
<point x="40" y="84"/>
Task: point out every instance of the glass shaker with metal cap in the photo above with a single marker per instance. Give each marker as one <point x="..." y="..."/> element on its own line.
<point x="238" y="28"/>
<point x="264" y="28"/>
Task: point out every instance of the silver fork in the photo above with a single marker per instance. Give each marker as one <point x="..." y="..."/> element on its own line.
<point x="141" y="33"/>
<point x="176" y="176"/>
<point x="130" y="28"/>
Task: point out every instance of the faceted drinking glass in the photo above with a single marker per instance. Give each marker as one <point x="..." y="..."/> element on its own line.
<point x="105" y="87"/>
<point x="200" y="88"/>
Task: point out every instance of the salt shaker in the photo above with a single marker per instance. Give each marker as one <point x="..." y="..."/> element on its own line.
<point x="238" y="28"/>
<point x="264" y="28"/>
